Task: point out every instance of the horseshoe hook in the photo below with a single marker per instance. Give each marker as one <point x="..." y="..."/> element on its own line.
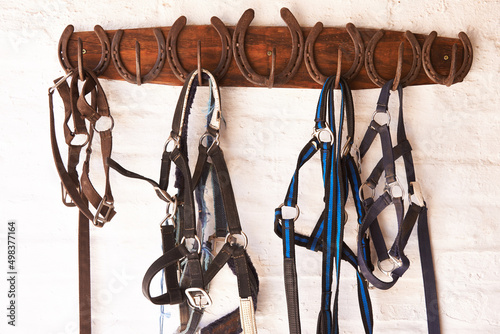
<point x="454" y="75"/>
<point x="138" y="78"/>
<point x="62" y="50"/>
<point x="295" y="58"/>
<point x="415" y="65"/>
<point x="359" y="53"/>
<point x="173" y="59"/>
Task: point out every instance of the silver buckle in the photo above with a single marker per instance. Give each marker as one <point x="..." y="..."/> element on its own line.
<point x="99" y="219"/>
<point x="198" y="298"/>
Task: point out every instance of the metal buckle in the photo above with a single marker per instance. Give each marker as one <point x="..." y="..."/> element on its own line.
<point x="317" y="133"/>
<point x="417" y="196"/>
<point x="297" y="214"/>
<point x="245" y="239"/>
<point x="65" y="196"/>
<point x="59" y="83"/>
<point x="217" y="243"/>
<point x="396" y="263"/>
<point x="198" y="298"/>
<point x="391" y="187"/>
<point x="100" y="220"/>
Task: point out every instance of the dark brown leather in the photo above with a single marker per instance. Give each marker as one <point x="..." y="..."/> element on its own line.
<point x="81" y="191"/>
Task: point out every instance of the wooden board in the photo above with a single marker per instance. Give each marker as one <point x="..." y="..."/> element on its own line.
<point x="259" y="42"/>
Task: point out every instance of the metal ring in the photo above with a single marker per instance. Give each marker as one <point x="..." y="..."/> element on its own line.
<point x="245" y="239"/>
<point x="387" y="121"/>
<point x="79" y="145"/>
<point x="208" y="134"/>
<point x="169" y="140"/>
<point x="296" y="207"/>
<point x="110" y="127"/>
<point x="195" y="238"/>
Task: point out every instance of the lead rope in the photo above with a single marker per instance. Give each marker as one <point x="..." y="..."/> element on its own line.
<point x="338" y="170"/>
<point x="81" y="190"/>
<point x="393" y="194"/>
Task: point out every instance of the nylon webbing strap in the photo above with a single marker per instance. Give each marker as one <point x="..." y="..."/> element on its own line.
<point x="393" y="195"/>
<point x="338" y="171"/>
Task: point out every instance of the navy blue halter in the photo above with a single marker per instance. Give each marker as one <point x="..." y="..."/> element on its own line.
<point x="393" y="262"/>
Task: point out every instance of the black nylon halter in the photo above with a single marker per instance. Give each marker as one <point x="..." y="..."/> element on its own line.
<point x="393" y="194"/>
<point x="180" y="225"/>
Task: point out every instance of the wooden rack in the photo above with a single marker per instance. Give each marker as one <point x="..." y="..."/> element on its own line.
<point x="289" y="56"/>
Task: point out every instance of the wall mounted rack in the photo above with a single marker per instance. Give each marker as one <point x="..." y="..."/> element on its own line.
<point x="289" y="56"/>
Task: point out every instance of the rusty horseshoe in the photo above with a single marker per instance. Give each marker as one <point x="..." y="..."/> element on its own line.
<point x="359" y="53"/>
<point x="295" y="57"/>
<point x="62" y="51"/>
<point x="454" y="75"/>
<point x="415" y="66"/>
<point x="138" y="78"/>
<point x="173" y="59"/>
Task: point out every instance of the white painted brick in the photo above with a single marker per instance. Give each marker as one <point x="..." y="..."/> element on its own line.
<point x="453" y="131"/>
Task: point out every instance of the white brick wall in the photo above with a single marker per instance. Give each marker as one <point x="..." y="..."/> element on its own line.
<point x="454" y="132"/>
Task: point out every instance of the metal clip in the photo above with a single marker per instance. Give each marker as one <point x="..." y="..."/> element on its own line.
<point x="99" y="219"/>
<point x="198" y="298"/>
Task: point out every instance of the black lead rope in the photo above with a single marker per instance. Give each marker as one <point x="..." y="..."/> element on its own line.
<point x="339" y="170"/>
<point x="393" y="262"/>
